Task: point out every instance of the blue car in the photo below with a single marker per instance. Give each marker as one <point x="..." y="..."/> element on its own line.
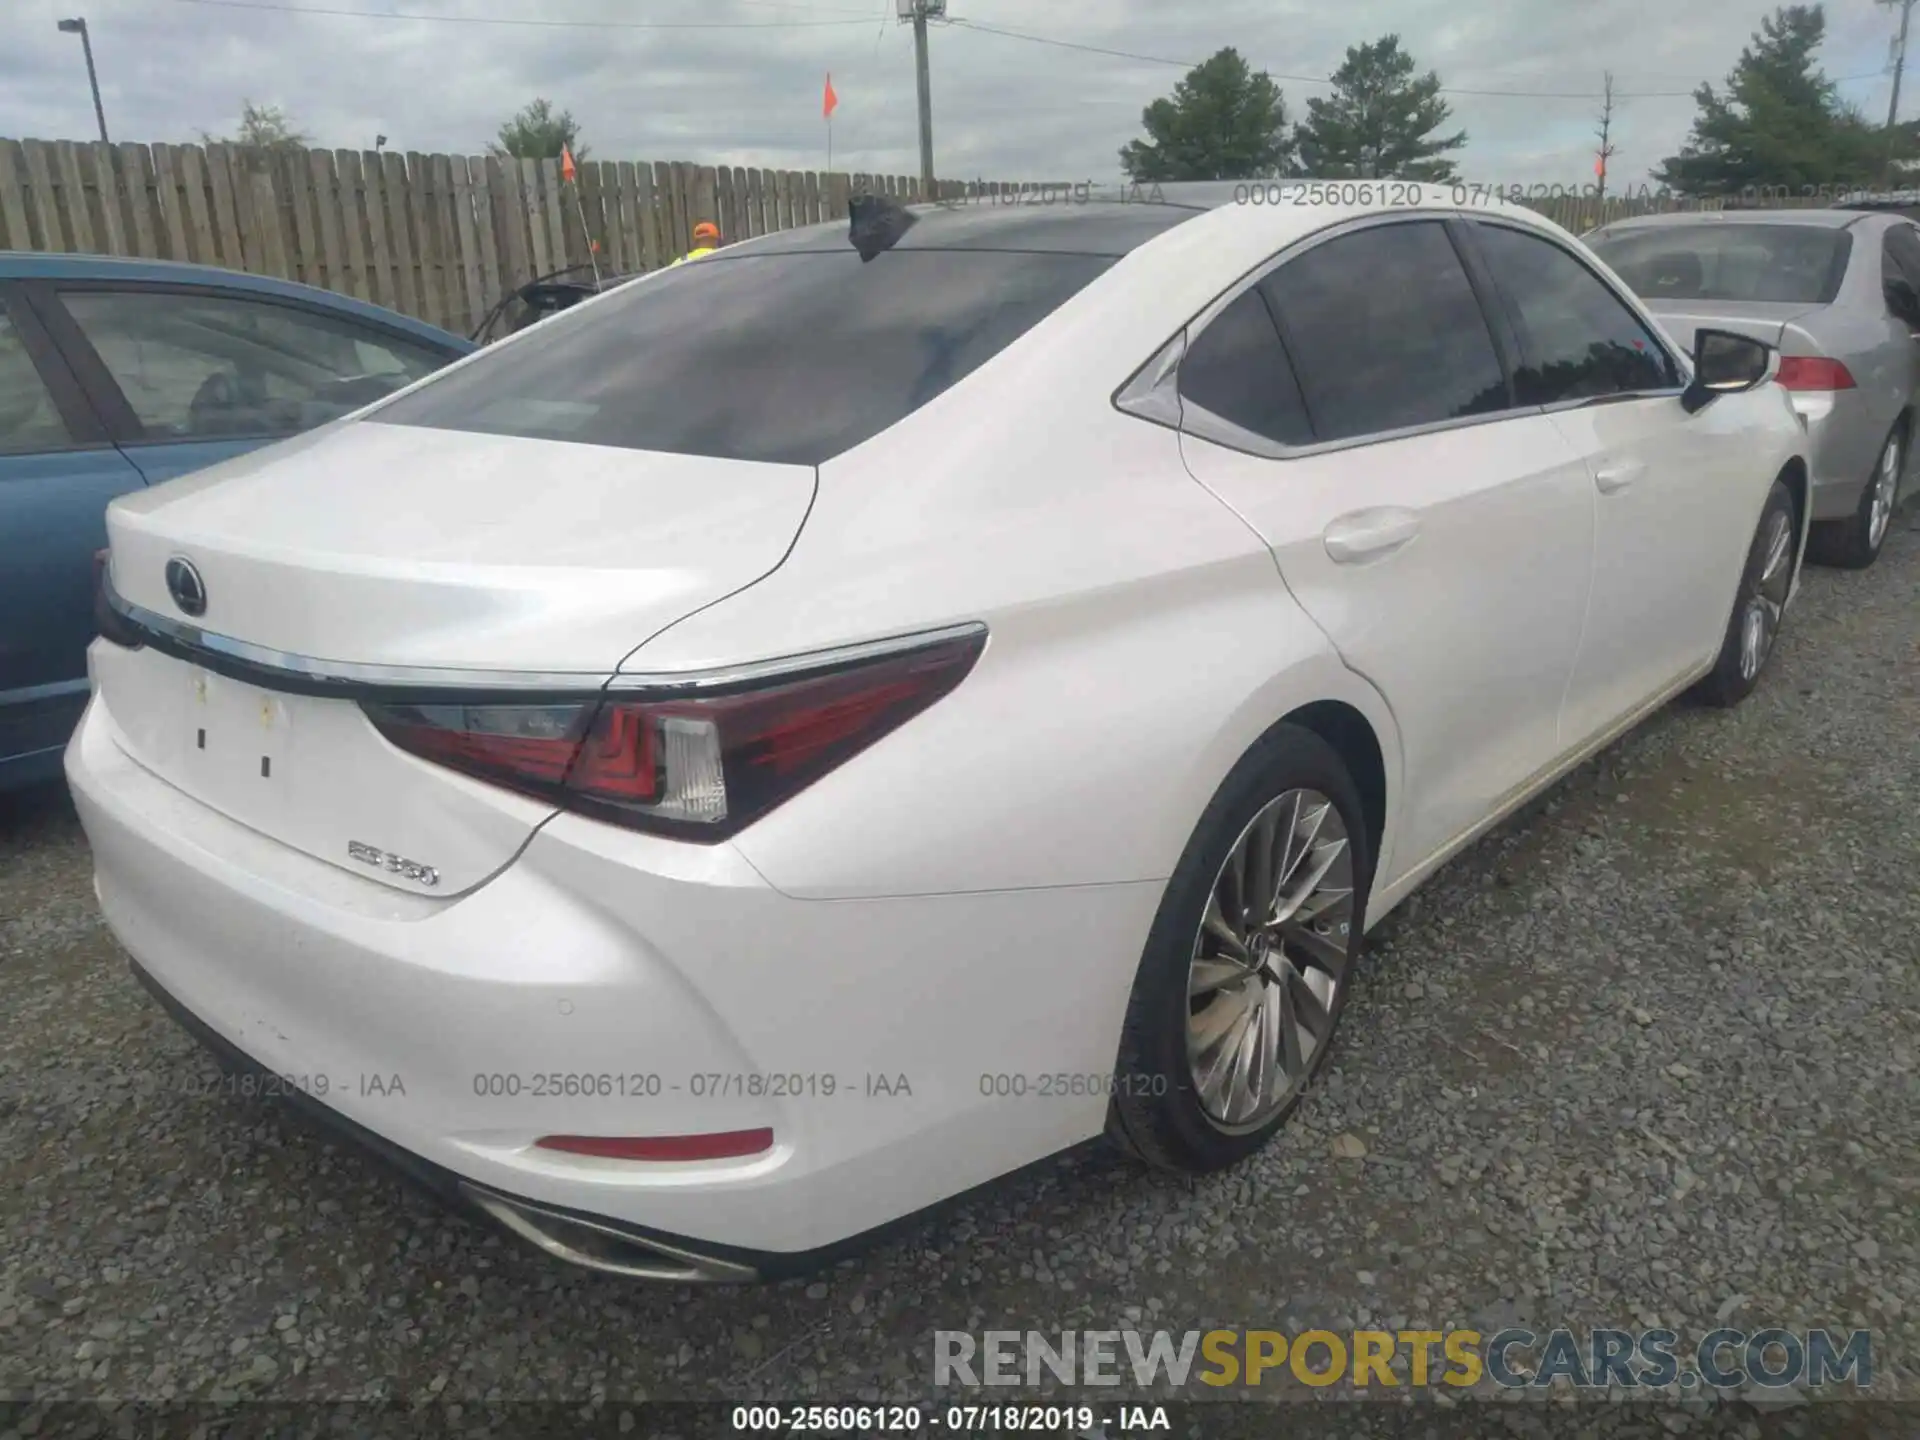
<point x="115" y="374"/>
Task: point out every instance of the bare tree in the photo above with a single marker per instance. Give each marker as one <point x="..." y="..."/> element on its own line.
<point x="1605" y="153"/>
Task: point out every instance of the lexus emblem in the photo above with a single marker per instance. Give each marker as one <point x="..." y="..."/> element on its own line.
<point x="189" y="591"/>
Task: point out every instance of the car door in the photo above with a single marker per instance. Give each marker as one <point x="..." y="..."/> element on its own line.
<point x="1353" y="405"/>
<point x="58" y="470"/>
<point x="188" y="376"/>
<point x="1668" y="487"/>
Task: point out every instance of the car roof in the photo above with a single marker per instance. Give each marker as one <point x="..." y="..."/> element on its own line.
<point x="1052" y="222"/>
<point x="1812" y="219"/>
<point x="1112" y="220"/>
<point x="41" y="265"/>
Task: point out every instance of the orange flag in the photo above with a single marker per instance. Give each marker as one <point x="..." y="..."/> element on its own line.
<point x="830" y="100"/>
<point x="567" y="171"/>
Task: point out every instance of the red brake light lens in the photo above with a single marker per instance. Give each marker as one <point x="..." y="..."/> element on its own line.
<point x="1813" y="372"/>
<point x="723" y="1145"/>
<point x="701" y="767"/>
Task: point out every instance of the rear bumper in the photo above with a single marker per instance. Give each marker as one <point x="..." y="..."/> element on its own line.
<point x="606" y="983"/>
<point x="623" y="1249"/>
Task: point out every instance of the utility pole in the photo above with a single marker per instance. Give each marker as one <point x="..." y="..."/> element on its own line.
<point x="1605" y="153"/>
<point x="917" y="11"/>
<point x="78" y="26"/>
<point x="1899" y="67"/>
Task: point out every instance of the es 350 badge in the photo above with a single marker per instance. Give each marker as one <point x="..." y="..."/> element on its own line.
<point x="392" y="863"/>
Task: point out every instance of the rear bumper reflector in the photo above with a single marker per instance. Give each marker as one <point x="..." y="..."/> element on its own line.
<point x="593" y="1242"/>
<point x="721" y="1145"/>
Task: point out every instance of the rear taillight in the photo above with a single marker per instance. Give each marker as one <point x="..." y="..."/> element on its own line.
<point x="1813" y="372"/>
<point x="108" y="622"/>
<point x="701" y="767"/>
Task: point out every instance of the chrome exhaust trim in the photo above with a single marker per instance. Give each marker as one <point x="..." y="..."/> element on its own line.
<point x="603" y="1245"/>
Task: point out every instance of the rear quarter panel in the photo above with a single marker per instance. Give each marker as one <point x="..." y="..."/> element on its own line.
<point x="1140" y="641"/>
<point x="1850" y="426"/>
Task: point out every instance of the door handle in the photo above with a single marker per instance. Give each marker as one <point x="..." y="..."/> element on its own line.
<point x="1365" y="534"/>
<point x="1618" y="476"/>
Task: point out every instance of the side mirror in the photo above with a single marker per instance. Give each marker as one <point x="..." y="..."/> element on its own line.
<point x="1725" y="363"/>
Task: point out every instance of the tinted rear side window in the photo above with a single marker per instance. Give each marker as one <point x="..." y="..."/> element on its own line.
<point x="789" y="357"/>
<point x="1781" y="264"/>
<point x="1387" y="332"/>
<point x="1238" y="370"/>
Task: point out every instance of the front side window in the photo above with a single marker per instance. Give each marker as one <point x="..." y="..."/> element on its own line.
<point x="1238" y="370"/>
<point x="1386" y="332"/>
<point x="197" y="367"/>
<point x="28" y="419"/>
<point x="1579" y="341"/>
<point x="781" y="356"/>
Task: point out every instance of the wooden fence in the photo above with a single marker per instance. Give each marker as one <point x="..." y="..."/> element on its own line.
<point x="441" y="237"/>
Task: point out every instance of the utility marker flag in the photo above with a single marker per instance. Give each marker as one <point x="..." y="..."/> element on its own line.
<point x="567" y="171"/>
<point x="830" y="100"/>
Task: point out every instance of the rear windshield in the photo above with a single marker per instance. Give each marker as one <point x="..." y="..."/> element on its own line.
<point x="787" y="357"/>
<point x="1791" y="264"/>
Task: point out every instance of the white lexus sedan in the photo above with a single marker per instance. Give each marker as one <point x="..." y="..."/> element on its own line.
<point x="805" y="733"/>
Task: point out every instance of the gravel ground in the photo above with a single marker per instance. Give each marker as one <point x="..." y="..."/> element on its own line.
<point x="1646" y="1056"/>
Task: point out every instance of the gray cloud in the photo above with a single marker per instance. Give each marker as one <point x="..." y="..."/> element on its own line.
<point x="1003" y="108"/>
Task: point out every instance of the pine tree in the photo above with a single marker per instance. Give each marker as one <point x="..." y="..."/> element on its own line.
<point x="1379" y="122"/>
<point x="1780" y="122"/>
<point x="1225" y="121"/>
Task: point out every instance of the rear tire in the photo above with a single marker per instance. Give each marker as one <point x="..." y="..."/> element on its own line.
<point x="1249" y="962"/>
<point x="1854" y="543"/>
<point x="1758" y="606"/>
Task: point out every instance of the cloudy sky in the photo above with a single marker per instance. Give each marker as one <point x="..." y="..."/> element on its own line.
<point x="739" y="81"/>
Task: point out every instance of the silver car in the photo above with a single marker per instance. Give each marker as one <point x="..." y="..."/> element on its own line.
<point x="1838" y="292"/>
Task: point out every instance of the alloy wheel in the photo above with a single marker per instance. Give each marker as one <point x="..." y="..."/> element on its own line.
<point x="1761" y="622"/>
<point x="1886" y="487"/>
<point x="1269" y="963"/>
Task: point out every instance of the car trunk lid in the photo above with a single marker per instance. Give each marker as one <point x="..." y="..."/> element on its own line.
<point x="1761" y="319"/>
<point x="371" y="549"/>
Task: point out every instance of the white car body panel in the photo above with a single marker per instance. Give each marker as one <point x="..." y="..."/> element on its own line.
<point x="1666" y="549"/>
<point x="396" y="545"/>
<point x="970" y="896"/>
<point x="601" y="953"/>
<point x="1497" y="528"/>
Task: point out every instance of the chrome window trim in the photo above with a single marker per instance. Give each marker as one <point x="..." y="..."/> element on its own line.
<point x="307" y="673"/>
<point x="1313" y="241"/>
<point x="1153" y="392"/>
<point x="1622" y="397"/>
<point x="1223" y="432"/>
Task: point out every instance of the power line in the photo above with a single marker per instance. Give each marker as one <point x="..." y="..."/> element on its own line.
<point x="1324" y="80"/>
<point x="866" y="18"/>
